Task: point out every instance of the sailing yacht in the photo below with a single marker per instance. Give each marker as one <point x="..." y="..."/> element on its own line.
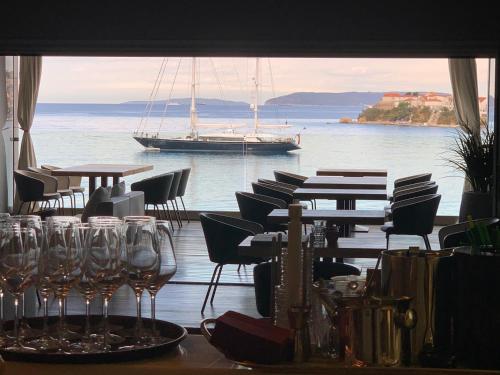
<point x="228" y="141"/>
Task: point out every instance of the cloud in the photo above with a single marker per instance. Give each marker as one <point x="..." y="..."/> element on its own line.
<point x="115" y="79"/>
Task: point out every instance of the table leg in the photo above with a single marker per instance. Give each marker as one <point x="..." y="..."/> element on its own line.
<point x="116" y="180"/>
<point x="91" y="185"/>
<point x="104" y="181"/>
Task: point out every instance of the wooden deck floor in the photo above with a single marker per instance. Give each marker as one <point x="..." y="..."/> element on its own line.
<point x="181" y="300"/>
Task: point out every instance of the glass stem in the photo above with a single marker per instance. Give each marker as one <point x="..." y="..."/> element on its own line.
<point x="106" y="325"/>
<point x="138" y="332"/>
<point x="87" y="319"/>
<point x="16" y="321"/>
<point x="1" y="313"/>
<point x="45" y="316"/>
<point x="60" y="327"/>
<point x="153" y="313"/>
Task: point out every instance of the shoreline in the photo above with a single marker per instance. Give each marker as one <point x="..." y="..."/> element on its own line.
<point x="389" y="123"/>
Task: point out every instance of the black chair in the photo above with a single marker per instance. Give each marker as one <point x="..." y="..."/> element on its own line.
<point x="182" y="188"/>
<point x="256" y="207"/>
<point x="414" y="192"/>
<point x="75" y="183"/>
<point x="156" y="190"/>
<point x="414" y="216"/>
<point x="32" y="189"/>
<point x="262" y="280"/>
<point x="272" y="191"/>
<point x="290" y="178"/>
<point x="410" y="186"/>
<point x="456" y="234"/>
<point x="62" y="186"/>
<point x="423" y="177"/>
<point x="223" y="234"/>
<point x="277" y="183"/>
<point x="172" y="194"/>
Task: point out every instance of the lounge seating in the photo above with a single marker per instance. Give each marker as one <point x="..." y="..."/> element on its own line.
<point x="423" y="177"/>
<point x="101" y="203"/>
<point x="262" y="280"/>
<point x="414" y="216"/>
<point x="156" y="192"/>
<point x="256" y="207"/>
<point x="34" y="188"/>
<point x="182" y="188"/>
<point x="290" y="178"/>
<point x="456" y="234"/>
<point x="223" y="234"/>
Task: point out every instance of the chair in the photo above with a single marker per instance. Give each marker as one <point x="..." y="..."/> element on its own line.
<point x="410" y="186"/>
<point x="223" y="234"/>
<point x="172" y="194"/>
<point x="156" y="191"/>
<point x="272" y="191"/>
<point x="277" y="183"/>
<point x="290" y="178"/>
<point x="33" y="188"/>
<point x="256" y="207"/>
<point x="182" y="188"/>
<point x="75" y="183"/>
<point x="62" y="186"/>
<point x="456" y="234"/>
<point x="423" y="177"/>
<point x="414" y="216"/>
<point x="262" y="280"/>
<point x="414" y="192"/>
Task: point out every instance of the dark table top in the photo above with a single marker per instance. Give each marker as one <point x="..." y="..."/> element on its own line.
<point x="367" y="217"/>
<point x="340" y="194"/>
<point x="97" y="170"/>
<point x="351" y="172"/>
<point x="336" y="182"/>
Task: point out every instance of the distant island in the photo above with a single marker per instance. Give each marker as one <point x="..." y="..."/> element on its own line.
<point x="187" y="101"/>
<point x="327" y="98"/>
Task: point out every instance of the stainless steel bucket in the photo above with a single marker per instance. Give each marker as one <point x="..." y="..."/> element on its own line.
<point x="425" y="277"/>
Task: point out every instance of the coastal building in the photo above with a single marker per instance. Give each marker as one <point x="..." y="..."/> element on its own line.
<point x="433" y="100"/>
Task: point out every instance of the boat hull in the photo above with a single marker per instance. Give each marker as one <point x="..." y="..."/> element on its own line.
<point x="184" y="145"/>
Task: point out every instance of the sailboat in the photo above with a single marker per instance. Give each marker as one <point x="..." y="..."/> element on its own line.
<point x="255" y="142"/>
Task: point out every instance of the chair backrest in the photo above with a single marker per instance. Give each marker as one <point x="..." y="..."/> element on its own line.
<point x="412" y="186"/>
<point x="415" y="215"/>
<point x="172" y="194"/>
<point x="277" y="183"/>
<point x="255" y="207"/>
<point x="183" y="182"/>
<point x="423" y="177"/>
<point x="62" y="181"/>
<point x="223" y="234"/>
<point x="30" y="188"/>
<point x="289" y="178"/>
<point x="272" y="191"/>
<point x="415" y="192"/>
<point x="456" y="234"/>
<point x="156" y="189"/>
<point x="50" y="183"/>
<point x="74" y="181"/>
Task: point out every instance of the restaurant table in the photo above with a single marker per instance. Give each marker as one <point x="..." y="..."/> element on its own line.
<point x="337" y="182"/>
<point x="338" y="217"/>
<point x="197" y="356"/>
<point x="352" y="172"/>
<point x="346" y="198"/>
<point x="92" y="171"/>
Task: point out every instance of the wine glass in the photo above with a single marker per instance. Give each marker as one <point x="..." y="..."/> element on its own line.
<point x="19" y="252"/>
<point x="64" y="266"/>
<point x="105" y="260"/>
<point x="142" y="262"/>
<point x="167" y="267"/>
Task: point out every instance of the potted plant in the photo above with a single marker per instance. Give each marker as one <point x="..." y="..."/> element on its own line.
<point x="472" y="154"/>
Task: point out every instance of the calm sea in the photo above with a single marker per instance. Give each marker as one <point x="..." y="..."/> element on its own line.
<point x="69" y="134"/>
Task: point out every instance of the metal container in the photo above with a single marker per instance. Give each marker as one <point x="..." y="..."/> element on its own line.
<point x="426" y="278"/>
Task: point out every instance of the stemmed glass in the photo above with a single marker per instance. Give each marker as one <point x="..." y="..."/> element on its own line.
<point x="142" y="261"/>
<point x="106" y="262"/>
<point x="167" y="267"/>
<point x="64" y="266"/>
<point x="19" y="252"/>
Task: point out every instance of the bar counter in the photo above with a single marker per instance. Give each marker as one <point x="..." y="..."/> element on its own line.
<point x="196" y="356"/>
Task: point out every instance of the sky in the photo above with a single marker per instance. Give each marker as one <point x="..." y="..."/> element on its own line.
<point x="116" y="80"/>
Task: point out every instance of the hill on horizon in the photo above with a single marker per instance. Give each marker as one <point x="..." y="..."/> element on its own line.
<point x="200" y="101"/>
<point x="327" y="98"/>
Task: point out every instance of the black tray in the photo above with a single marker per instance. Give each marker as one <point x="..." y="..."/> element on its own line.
<point x="173" y="333"/>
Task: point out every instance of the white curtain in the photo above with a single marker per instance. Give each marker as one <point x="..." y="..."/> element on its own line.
<point x="30" y="72"/>
<point x="463" y="75"/>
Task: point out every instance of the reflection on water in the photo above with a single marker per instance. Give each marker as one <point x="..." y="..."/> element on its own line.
<point x="77" y="139"/>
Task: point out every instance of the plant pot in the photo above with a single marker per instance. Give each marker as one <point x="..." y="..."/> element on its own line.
<point x="475" y="204"/>
<point x="476" y="319"/>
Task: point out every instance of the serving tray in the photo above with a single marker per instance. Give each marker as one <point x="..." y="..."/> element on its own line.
<point x="171" y="333"/>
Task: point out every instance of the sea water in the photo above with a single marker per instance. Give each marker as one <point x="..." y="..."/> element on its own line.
<point x="70" y="134"/>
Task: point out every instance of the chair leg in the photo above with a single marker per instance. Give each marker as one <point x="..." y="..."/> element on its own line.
<point x="239" y="267"/>
<point x="177" y="210"/>
<point x="176" y="214"/>
<point x="169" y="216"/>
<point x="20" y="208"/>
<point x="209" y="288"/>
<point x="215" y="285"/>
<point x="184" y="208"/>
<point x="427" y="242"/>
<point x="387" y="242"/>
<point x="83" y="198"/>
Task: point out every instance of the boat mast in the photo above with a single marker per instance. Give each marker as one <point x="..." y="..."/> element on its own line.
<point x="193" y="98"/>
<point x="256" y="102"/>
